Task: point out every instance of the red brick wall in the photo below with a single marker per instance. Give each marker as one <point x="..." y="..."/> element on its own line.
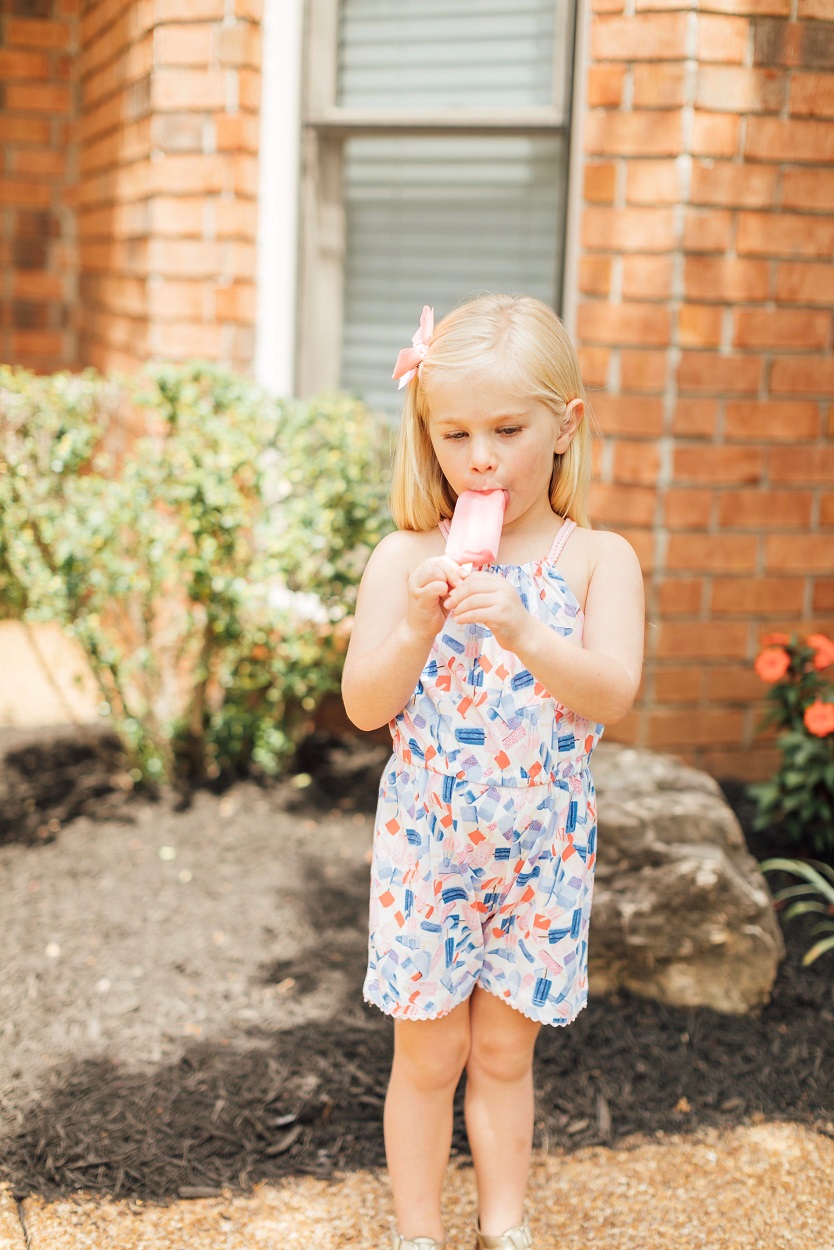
<point x="706" y="277"/>
<point x="168" y="163"/>
<point x="705" y="321"/>
<point x="38" y="249"/>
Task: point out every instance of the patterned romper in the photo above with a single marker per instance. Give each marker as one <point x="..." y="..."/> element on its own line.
<point x="485" y="834"/>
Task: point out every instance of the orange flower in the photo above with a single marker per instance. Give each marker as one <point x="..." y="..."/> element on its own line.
<point x="819" y="718"/>
<point x="824" y="648"/>
<point x="776" y="640"/>
<point x="772" y="664"/>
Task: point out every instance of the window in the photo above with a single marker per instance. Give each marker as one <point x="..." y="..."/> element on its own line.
<point x="435" y="156"/>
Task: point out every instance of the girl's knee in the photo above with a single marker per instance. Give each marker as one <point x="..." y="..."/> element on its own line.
<point x="433" y="1052"/>
<point x="500" y="1065"/>
<point x="502" y="1046"/>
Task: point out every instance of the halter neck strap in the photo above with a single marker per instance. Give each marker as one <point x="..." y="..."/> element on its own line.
<point x="565" y="530"/>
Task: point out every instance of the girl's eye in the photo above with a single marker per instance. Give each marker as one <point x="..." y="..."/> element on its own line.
<point x="457" y="435"/>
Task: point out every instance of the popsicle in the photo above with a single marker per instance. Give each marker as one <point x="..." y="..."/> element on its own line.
<point x="475" y="532"/>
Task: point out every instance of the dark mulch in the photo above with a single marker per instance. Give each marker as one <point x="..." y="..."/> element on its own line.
<point x="44" y="785"/>
<point x="309" y="1099"/>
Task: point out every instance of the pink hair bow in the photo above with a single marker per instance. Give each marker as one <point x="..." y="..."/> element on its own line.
<point x="410" y="358"/>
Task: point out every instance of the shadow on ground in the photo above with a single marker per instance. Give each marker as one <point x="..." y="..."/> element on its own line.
<point x="310" y="1099"/>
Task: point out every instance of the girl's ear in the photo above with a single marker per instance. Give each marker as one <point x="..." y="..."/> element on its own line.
<point x="574" y="413"/>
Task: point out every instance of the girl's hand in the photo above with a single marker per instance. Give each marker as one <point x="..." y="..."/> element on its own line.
<point x="489" y="599"/>
<point x="428" y="585"/>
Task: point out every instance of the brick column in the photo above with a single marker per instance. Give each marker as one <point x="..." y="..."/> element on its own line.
<point x="705" y="324"/>
<point x="38" y="250"/>
<point x="168" y="212"/>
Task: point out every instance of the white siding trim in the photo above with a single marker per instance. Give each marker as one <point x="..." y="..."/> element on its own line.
<point x="573" y="224"/>
<point x="278" y="196"/>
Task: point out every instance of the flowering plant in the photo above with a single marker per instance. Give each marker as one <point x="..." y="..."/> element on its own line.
<point x="800" y="796"/>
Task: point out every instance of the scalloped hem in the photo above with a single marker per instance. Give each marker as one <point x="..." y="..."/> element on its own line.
<point x="438" y="1015"/>
<point x="412" y="1015"/>
<point x="555" y="1024"/>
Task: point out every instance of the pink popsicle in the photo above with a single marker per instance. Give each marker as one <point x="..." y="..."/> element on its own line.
<point x="475" y="532"/>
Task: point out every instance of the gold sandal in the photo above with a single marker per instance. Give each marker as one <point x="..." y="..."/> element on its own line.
<point x="416" y="1243"/>
<point x="518" y="1238"/>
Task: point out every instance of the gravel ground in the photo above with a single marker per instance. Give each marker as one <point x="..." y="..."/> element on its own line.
<point x="759" y="1187"/>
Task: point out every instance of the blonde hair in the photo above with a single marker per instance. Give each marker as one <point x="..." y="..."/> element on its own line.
<point x="521" y="344"/>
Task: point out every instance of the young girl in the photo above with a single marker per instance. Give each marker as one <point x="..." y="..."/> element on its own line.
<point x="497" y="684"/>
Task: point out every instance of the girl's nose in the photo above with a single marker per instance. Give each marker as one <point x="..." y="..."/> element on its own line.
<point x="481" y="455"/>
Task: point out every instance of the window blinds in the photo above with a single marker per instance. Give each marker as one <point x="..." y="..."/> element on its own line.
<point x="434" y="221"/>
<point x="455" y="53"/>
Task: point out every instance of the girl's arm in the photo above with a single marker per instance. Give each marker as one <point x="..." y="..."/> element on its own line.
<point x="598" y="681"/>
<point x="398" y="615"/>
<point x="601" y="680"/>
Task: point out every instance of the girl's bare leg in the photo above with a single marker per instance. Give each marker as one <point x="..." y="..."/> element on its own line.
<point x="429" y="1056"/>
<point x="499" y="1108"/>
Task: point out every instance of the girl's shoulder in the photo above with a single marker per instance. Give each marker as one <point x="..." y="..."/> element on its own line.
<point x="589" y="557"/>
<point x="604" y="544"/>
<point x="408" y="548"/>
<point x="613" y="564"/>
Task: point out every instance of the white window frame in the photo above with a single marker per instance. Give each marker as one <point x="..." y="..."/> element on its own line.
<point x="324" y="128"/>
<point x="278" y="196"/>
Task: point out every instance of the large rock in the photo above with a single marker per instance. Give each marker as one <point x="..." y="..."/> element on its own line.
<point x="681" y="911"/>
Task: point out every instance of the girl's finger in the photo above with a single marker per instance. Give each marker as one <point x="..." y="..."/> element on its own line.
<point x="465" y="593"/>
<point x="451" y="570"/>
<point x="455" y="601"/>
<point x="447" y="575"/>
<point x="471" y="618"/>
<point x="479" y="606"/>
<point x="434" y="587"/>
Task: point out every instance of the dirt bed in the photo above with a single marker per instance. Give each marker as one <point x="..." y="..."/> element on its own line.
<point x="181" y="1010"/>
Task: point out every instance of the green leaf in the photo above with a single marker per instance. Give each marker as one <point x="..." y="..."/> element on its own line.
<point x="800" y="909"/>
<point x="792" y="891"/>
<point x="819" y="948"/>
<point x="800" y="869"/>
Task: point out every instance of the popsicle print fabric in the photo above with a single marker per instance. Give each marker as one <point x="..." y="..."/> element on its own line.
<point x="485" y="833"/>
<point x="480" y="884"/>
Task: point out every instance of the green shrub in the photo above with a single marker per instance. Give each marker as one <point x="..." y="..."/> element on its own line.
<point x="209" y="572"/>
<point x="49" y="428"/>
